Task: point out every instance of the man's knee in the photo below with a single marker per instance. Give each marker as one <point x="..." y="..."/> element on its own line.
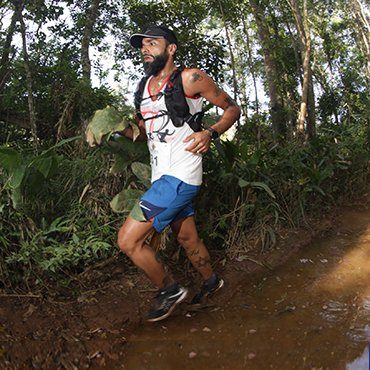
<point x="188" y="241"/>
<point x="125" y="244"/>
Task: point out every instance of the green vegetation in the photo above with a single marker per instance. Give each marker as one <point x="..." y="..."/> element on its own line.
<point x="62" y="202"/>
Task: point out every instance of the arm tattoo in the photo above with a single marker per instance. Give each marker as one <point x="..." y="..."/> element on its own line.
<point x="229" y="102"/>
<point x="196" y="77"/>
<point x="218" y="91"/>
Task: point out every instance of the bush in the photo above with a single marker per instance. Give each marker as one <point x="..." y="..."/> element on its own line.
<point x="256" y="190"/>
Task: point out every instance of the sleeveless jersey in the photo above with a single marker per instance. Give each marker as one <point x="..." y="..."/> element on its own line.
<point x="165" y="141"/>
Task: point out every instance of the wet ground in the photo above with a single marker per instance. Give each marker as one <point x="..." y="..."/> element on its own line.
<point x="311" y="313"/>
<point x="310" y="310"/>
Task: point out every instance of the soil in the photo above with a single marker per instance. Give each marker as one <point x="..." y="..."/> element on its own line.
<point x="86" y="323"/>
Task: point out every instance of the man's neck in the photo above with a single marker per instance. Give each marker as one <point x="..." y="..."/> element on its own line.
<point x="166" y="71"/>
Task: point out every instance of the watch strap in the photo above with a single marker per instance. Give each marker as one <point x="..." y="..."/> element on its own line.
<point x="214" y="134"/>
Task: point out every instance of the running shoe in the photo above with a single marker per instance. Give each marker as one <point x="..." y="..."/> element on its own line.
<point x="165" y="302"/>
<point x="210" y="286"/>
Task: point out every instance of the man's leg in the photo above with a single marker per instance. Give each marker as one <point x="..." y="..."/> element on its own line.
<point x="131" y="240"/>
<point x="187" y="235"/>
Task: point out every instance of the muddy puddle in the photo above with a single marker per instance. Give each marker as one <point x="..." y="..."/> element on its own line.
<point x="311" y="313"/>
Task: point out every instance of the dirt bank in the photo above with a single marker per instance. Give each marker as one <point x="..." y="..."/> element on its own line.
<point x="86" y="324"/>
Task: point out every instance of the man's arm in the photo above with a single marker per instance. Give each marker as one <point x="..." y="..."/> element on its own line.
<point x="128" y="132"/>
<point x="195" y="83"/>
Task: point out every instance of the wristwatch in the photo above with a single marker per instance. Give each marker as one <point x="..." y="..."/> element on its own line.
<point x="214" y="134"/>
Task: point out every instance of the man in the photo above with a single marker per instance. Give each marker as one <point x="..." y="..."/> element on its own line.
<point x="176" y="161"/>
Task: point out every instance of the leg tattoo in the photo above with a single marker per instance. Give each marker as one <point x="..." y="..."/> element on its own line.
<point x="203" y="262"/>
<point x="193" y="253"/>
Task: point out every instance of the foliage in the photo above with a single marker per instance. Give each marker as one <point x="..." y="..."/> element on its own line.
<point x="67" y="232"/>
<point x="27" y="172"/>
<point x="256" y="190"/>
<point x="65" y="244"/>
<point x="56" y="201"/>
<point x="187" y="18"/>
<point x="105" y="122"/>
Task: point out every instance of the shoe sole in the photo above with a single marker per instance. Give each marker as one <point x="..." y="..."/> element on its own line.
<point x="220" y="285"/>
<point x="168" y="313"/>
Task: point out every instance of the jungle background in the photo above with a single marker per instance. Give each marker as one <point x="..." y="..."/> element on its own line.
<point x="298" y="69"/>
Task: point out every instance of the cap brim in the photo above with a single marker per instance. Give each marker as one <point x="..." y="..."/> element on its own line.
<point x="136" y="39"/>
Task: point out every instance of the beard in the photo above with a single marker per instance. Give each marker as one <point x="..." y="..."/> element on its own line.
<point x="154" y="67"/>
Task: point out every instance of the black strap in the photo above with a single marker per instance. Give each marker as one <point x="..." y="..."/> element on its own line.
<point x="176" y="104"/>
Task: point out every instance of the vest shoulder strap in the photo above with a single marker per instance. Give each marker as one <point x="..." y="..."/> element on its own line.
<point x="176" y="104"/>
<point x="138" y="95"/>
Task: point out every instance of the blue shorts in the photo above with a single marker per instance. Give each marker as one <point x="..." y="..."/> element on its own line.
<point x="167" y="200"/>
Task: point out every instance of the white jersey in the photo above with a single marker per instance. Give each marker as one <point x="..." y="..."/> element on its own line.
<point x="165" y="141"/>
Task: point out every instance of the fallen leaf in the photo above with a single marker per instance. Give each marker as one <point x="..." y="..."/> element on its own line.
<point x="30" y="311"/>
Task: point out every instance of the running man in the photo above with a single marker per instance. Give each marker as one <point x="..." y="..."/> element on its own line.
<point x="176" y="162"/>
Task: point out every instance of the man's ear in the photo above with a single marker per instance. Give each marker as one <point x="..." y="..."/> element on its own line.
<point x="172" y="49"/>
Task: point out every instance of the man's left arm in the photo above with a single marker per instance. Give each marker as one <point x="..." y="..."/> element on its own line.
<point x="196" y="82"/>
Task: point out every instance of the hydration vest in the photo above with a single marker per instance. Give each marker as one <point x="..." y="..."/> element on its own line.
<point x="176" y="104"/>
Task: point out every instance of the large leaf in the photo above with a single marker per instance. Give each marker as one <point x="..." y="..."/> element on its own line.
<point x="142" y="172"/>
<point x="17" y="176"/>
<point x="43" y="165"/>
<point x="59" y="144"/>
<point x="137" y="213"/>
<point x="105" y="122"/>
<point x="120" y="164"/>
<point x="9" y="158"/>
<point x="255" y="184"/>
<point x="126" y="152"/>
<point x="16" y="197"/>
<point x="123" y="145"/>
<point x="125" y="200"/>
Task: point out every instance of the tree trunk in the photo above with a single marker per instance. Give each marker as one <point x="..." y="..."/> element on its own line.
<point x="29" y="78"/>
<point x="250" y="59"/>
<point x="276" y="102"/>
<point x="4" y="63"/>
<point x="307" y="107"/>
<point x="91" y="16"/>
<point x="362" y="27"/>
<point x="233" y="66"/>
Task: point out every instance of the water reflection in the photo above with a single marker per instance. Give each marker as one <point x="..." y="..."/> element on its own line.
<point x="334" y="311"/>
<point x="313" y="312"/>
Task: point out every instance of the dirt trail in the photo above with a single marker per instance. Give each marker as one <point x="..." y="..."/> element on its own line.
<point x="312" y="311"/>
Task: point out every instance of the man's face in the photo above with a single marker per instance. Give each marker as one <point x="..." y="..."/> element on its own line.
<point x="155" y="55"/>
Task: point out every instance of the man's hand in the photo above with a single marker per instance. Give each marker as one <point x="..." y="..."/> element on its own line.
<point x="200" y="142"/>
